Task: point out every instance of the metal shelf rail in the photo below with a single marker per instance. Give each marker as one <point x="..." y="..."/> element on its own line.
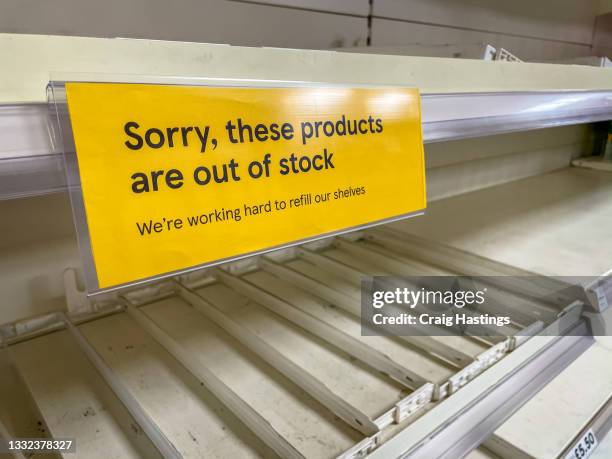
<point x="31" y="162"/>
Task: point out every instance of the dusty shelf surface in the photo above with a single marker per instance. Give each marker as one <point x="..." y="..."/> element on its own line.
<point x="19" y="415"/>
<point x="73" y="400"/>
<point x="545" y="425"/>
<point x="309" y="427"/>
<point x="192" y="419"/>
<point x="556" y="224"/>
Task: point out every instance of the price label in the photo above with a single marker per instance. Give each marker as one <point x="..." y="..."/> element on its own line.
<point x="584" y="447"/>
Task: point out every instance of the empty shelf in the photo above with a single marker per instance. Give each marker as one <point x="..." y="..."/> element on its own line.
<point x="264" y="360"/>
<point x="556" y="224"/>
<point x="547" y="423"/>
<point x="74" y="402"/>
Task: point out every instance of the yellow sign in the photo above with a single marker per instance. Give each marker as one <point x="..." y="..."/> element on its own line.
<point x="175" y="177"/>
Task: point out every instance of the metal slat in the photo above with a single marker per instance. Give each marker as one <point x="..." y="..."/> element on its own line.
<point x="338" y="338"/>
<point x="395" y="266"/>
<point x="343" y="301"/>
<point x="402" y="410"/>
<point x="426" y="343"/>
<point x="342" y="270"/>
<point x="295" y="373"/>
<point x="3" y="430"/>
<point x="351" y="305"/>
<point x="389" y="264"/>
<point x="507" y="277"/>
<point x="522" y="285"/>
<point x="157" y="437"/>
<point x="243" y="411"/>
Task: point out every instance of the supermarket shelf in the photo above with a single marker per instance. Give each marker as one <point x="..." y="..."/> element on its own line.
<point x="600" y="425"/>
<point x="281" y="335"/>
<point x="461" y="423"/>
<point x="551" y="423"/>
<point x="553" y="225"/>
<point x="31" y="161"/>
<point x="457" y="116"/>
<point x="265" y="357"/>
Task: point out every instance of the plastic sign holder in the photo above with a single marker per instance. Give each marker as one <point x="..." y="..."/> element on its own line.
<point x="169" y="178"/>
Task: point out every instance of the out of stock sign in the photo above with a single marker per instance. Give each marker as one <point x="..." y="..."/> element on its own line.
<point x="175" y="177"/>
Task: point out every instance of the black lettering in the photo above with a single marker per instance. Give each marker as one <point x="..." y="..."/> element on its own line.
<point x="141" y="183"/>
<point x="255" y="169"/>
<point x="328" y="159"/>
<point x="284" y="168"/>
<point x="341" y="124"/>
<point x="287" y="131"/>
<point x="307" y="131"/>
<point x="328" y="128"/>
<point x="230" y="132"/>
<point x="274" y="132"/>
<point x="261" y="132"/>
<point x="184" y="131"/>
<point x="318" y="124"/>
<point x="126" y="128"/>
<point x="197" y="178"/>
<point x="145" y="228"/>
<point x="314" y="163"/>
<point x="174" y="179"/>
<point x="241" y="130"/>
<point x="158" y="133"/>
<point x="293" y="160"/>
<point x="220" y="178"/>
<point x="170" y="134"/>
<point x="362" y="129"/>
<point x="370" y="121"/>
<point x="203" y="136"/>
<point x="304" y="164"/>
<point x="155" y="178"/>
<point x="233" y="165"/>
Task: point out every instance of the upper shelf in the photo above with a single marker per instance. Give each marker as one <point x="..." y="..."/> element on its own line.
<point x="457" y="116"/>
<point x="31" y="162"/>
<point x="479" y="98"/>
